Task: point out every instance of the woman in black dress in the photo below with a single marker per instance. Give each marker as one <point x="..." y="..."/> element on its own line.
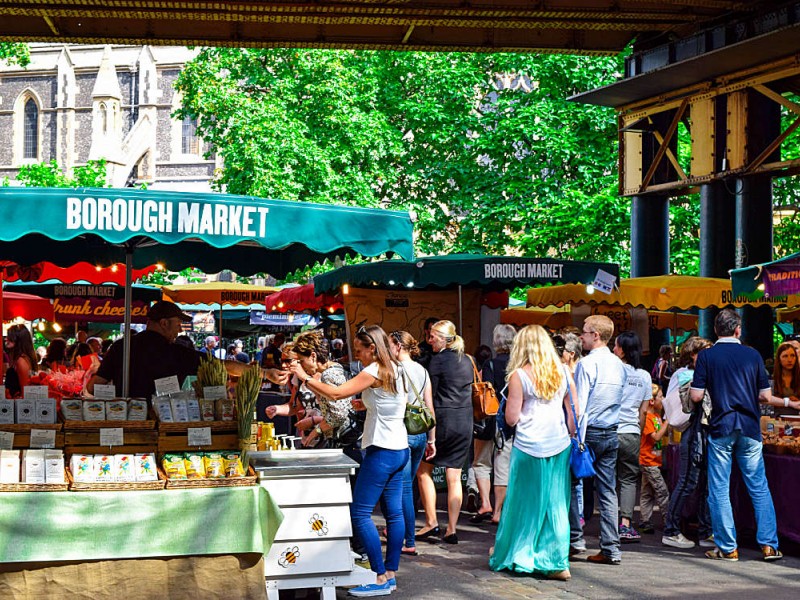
<point x="451" y="381"/>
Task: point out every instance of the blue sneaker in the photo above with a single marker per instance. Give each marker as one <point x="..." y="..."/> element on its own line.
<point x="393" y="583"/>
<point x="373" y="589"/>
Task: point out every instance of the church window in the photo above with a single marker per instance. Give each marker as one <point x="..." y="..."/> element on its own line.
<point x="30" y="146"/>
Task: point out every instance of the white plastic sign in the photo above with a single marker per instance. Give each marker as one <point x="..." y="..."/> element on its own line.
<point x="167" y="385"/>
<point x="105" y="392"/>
<point x="6" y="440"/>
<point x="199" y="436"/>
<point x="43" y="438"/>
<point x="35" y="392"/>
<point x="111" y="436"/>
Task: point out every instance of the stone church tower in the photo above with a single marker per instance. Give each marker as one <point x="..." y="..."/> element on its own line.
<point x="76" y="103"/>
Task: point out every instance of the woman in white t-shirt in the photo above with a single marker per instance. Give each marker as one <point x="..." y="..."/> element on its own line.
<point x="385" y="445"/>
<point x="533" y="535"/>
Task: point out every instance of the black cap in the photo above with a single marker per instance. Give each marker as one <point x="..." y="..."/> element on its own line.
<point x="166" y="310"/>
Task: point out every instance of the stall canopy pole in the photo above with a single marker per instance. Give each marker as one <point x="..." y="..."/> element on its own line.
<point x="460" y="316"/>
<point x="2" y="338"/>
<point x="126" y="343"/>
<point x="220" y="330"/>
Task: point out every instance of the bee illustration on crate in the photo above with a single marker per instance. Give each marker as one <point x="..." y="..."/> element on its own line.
<point x="319" y="525"/>
<point x="289" y="557"/>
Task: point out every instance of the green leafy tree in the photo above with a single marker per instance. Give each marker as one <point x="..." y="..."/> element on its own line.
<point x="15" y="53"/>
<point x="93" y="174"/>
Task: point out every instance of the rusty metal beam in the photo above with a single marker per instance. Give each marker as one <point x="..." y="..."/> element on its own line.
<point x="774" y="145"/>
<point x="662" y="148"/>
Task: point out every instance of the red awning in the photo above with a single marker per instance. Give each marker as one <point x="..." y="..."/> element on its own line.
<point x="82" y="271"/>
<point x="27" y="306"/>
<point x="301" y="298"/>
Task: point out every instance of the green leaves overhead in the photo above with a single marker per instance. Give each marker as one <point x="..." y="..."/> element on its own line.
<point x="484" y="148"/>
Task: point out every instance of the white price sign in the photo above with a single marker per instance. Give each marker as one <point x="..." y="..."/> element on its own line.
<point x="111" y="436"/>
<point x="6" y="440"/>
<point x="214" y="392"/>
<point x="199" y="436"/>
<point x="105" y="392"/>
<point x="35" y="392"/>
<point x="43" y="438"/>
<point x="167" y="385"/>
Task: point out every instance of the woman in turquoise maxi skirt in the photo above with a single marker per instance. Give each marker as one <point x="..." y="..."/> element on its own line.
<point x="533" y="535"/>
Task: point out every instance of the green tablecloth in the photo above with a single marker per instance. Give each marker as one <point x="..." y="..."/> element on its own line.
<point x="61" y="526"/>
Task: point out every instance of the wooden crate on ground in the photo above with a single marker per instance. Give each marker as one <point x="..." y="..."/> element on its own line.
<point x="174" y="437"/>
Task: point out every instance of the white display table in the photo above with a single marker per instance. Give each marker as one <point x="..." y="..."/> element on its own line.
<point x="312" y="545"/>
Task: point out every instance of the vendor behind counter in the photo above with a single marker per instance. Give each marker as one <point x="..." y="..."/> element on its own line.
<point x="154" y="354"/>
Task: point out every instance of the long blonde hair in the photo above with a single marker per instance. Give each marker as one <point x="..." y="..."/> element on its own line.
<point x="532" y="346"/>
<point x="448" y="330"/>
<point x="373" y="335"/>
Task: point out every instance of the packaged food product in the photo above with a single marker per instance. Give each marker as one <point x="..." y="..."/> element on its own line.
<point x="26" y="410"/>
<point x="6" y="411"/>
<point x="9" y="466"/>
<point x="215" y="466"/>
<point x="137" y="409"/>
<point x="193" y="409"/>
<point x="94" y="410"/>
<point x="123" y="468"/>
<point x="116" y="410"/>
<point x="195" y="465"/>
<point x="103" y="468"/>
<point x="233" y="464"/>
<point x="145" y="466"/>
<point x="174" y="466"/>
<point x="82" y="467"/>
<point x="72" y="409"/>
<point x="33" y="466"/>
<point x="207" y="410"/>
<point x="54" y="466"/>
<point x="225" y="410"/>
<point x="180" y="410"/>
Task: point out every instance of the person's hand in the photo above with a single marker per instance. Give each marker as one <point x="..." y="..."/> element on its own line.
<point x="296" y="369"/>
<point x="357" y="405"/>
<point x="430" y="450"/>
<point x="277" y="376"/>
<point x="271" y="411"/>
<point x="310" y="439"/>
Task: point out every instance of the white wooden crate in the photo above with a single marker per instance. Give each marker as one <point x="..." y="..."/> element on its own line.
<point x="306" y="557"/>
<point x="309" y="491"/>
<point x="315" y="522"/>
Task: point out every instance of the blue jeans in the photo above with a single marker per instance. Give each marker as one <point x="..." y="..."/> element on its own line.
<point x="605" y="444"/>
<point x="747" y="452"/>
<point x="380" y="477"/>
<point x="416" y="446"/>
<point x="692" y="476"/>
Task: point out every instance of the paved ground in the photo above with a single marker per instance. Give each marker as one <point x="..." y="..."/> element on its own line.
<point x="648" y="570"/>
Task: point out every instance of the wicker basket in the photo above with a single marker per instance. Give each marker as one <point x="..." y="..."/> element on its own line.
<point x="183" y="484"/>
<point x="36" y="487"/>
<point x="113" y="486"/>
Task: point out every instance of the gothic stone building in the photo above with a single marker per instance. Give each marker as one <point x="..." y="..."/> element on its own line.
<point x="75" y="103"/>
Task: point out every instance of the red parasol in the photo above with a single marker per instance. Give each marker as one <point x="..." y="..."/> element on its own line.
<point x="27" y="306"/>
<point x="301" y="298"/>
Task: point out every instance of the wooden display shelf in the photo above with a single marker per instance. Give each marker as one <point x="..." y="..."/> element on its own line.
<point x="174" y="437"/>
<point x="22" y="433"/>
<point x="88" y="442"/>
<point x="149" y="424"/>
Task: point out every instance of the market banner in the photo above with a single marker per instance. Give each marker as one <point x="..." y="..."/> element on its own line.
<point x="227" y="293"/>
<point x="781" y="279"/>
<point x="100" y="310"/>
<point x="466" y="270"/>
<point x="407" y="311"/>
<point x="179" y="230"/>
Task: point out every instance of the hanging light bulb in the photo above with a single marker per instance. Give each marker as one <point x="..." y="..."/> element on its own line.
<point x="590" y="289"/>
<point x="56" y="327"/>
<point x="346" y="288"/>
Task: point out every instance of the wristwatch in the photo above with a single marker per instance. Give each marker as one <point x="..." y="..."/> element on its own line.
<point x="307" y="379"/>
<point x="786" y="403"/>
<point x="318" y="429"/>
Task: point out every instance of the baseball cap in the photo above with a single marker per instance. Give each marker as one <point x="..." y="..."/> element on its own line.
<point x="166" y="310"/>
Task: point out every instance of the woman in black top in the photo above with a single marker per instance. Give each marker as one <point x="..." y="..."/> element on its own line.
<point x="451" y="381"/>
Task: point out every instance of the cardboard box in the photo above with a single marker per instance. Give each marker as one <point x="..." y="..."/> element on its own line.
<point x="82" y="467"/>
<point x="72" y="409"/>
<point x="137" y="409"/>
<point x="94" y="410"/>
<point x="25" y="410"/>
<point x="124" y="468"/>
<point x="45" y="411"/>
<point x="33" y="470"/>
<point x="6" y="411"/>
<point x="145" y="466"/>
<point x="9" y="466"/>
<point x="116" y="410"/>
<point x="54" y="466"/>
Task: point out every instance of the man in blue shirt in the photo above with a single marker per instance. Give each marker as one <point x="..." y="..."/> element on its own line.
<point x="736" y="381"/>
<point x="599" y="380"/>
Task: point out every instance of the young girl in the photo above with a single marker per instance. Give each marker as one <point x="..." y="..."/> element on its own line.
<point x="653" y="486"/>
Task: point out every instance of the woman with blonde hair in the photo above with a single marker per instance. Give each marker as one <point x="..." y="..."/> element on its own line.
<point x="533" y="536"/>
<point x="451" y="375"/>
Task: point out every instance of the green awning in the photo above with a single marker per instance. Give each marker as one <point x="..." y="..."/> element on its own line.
<point x="178" y="230"/>
<point x="776" y="278"/>
<point x="485" y="272"/>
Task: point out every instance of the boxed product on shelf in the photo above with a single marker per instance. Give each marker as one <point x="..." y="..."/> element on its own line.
<point x="137" y="409"/>
<point x="145" y="467"/>
<point x="72" y="409"/>
<point x="54" y="466"/>
<point x="45" y="411"/>
<point x="124" y="470"/>
<point x="25" y="410"/>
<point x="163" y="408"/>
<point x="103" y="468"/>
<point x="117" y="410"/>
<point x="9" y="466"/>
<point x="33" y="470"/>
<point x="82" y="467"/>
<point x="6" y="411"/>
<point x="94" y="410"/>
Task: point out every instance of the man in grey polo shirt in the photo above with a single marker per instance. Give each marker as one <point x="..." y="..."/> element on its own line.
<point x="600" y="379"/>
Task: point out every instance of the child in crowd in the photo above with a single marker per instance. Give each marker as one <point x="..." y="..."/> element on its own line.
<point x="653" y="486"/>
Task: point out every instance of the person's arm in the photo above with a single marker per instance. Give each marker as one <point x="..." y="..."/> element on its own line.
<point x="514" y="400"/>
<point x="766" y="397"/>
<point x="23" y="368"/>
<point x="280" y="410"/>
<point x="276" y="376"/>
<point x="657" y="435"/>
<point x="583" y="386"/>
<point x="96" y="380"/>
<point x="572" y="426"/>
<point x="427" y="396"/>
<point x="358" y="384"/>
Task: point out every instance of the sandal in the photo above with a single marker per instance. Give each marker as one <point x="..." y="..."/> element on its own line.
<point x="409" y="552"/>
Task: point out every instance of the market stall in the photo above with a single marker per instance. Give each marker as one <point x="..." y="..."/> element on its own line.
<point x="464" y="288"/>
<point x="211" y="232"/>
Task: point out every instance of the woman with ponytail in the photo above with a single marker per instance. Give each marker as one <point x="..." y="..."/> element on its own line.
<point x="451" y="380"/>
